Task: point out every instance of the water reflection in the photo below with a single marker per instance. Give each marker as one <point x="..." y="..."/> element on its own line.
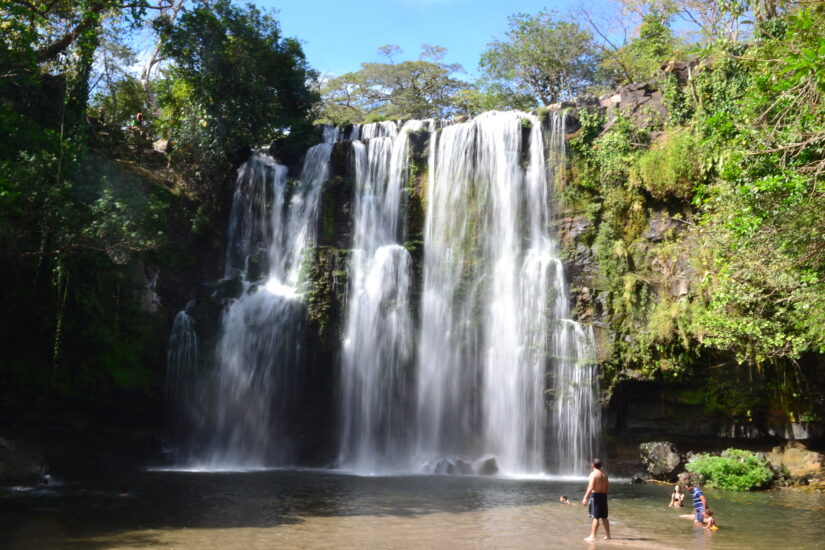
<point x="289" y="509"/>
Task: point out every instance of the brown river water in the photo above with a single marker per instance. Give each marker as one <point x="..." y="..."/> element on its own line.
<point x="327" y="510"/>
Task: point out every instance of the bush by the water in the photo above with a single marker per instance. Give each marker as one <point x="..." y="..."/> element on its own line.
<point x="735" y="469"/>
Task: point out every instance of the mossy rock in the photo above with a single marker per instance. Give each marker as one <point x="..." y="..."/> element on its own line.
<point x="229" y="289"/>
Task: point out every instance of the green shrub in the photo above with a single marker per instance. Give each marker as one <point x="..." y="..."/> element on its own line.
<point x="736" y="469"/>
<point x="670" y="168"/>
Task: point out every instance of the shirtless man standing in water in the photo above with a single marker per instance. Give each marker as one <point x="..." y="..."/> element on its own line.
<point x="597" y="493"/>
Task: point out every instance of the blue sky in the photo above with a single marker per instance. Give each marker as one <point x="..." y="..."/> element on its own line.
<point x="339" y="35"/>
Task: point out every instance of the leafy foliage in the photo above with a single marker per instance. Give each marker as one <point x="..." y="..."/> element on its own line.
<point x="424" y="88"/>
<point x="641" y="58"/>
<point x="739" y="285"/>
<point x="670" y="168"/>
<point x="735" y="469"/>
<point x="233" y="82"/>
<point x="543" y="57"/>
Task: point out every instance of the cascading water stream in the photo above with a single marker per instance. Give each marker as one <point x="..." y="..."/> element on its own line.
<point x="378" y="338"/>
<point x="181" y="369"/>
<point x="494" y="305"/>
<point x="248" y="404"/>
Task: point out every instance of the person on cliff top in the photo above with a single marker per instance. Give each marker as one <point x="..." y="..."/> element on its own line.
<point x="677" y="499"/>
<point x="700" y="503"/>
<point x="597" y="505"/>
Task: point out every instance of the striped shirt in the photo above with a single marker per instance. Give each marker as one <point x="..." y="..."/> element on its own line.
<point x="696" y="493"/>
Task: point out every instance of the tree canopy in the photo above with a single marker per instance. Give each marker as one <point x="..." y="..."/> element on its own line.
<point x="543" y="56"/>
<point x="231" y="80"/>
<point x="423" y="88"/>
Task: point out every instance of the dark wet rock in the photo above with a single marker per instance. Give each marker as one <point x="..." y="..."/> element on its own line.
<point x="240" y="155"/>
<point x="661" y="460"/>
<point x="638" y="478"/>
<point x="573" y="227"/>
<point x="487" y="467"/>
<point x="20" y="465"/>
<point x="229" y="289"/>
<point x="442" y="467"/>
<point x="463" y="467"/>
<point x="452" y="466"/>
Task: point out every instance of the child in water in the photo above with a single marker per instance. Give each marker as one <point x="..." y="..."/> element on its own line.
<point x="709" y="522"/>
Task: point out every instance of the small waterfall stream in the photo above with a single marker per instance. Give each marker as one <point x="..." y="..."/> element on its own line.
<point x="181" y="371"/>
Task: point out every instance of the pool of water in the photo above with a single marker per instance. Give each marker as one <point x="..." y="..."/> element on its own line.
<point x="326" y="510"/>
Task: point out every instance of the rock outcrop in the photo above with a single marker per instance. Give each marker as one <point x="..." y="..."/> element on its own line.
<point x="801" y="465"/>
<point x="661" y="460"/>
<point x="641" y="102"/>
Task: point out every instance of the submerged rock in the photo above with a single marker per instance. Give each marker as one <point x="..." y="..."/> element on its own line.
<point x="661" y="460"/>
<point x="487" y="466"/>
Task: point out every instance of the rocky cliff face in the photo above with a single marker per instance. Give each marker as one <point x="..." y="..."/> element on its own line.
<point x="635" y="265"/>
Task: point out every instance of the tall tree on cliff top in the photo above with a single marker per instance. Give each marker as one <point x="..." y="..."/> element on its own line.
<point x="543" y="56"/>
<point x="233" y="80"/>
<point x="421" y="89"/>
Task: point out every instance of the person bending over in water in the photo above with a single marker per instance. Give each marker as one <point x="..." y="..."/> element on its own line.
<point x="700" y="503"/>
<point x="597" y="493"/>
<point x="564" y="500"/>
<point x="677" y="499"/>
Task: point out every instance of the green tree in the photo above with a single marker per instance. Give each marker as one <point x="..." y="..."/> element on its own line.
<point x="116" y="93"/>
<point x="545" y="57"/>
<point x="232" y="81"/>
<point x="422" y="88"/>
<point x="642" y="57"/>
<point x="71" y="223"/>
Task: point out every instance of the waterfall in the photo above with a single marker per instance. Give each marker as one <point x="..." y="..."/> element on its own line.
<point x="488" y="372"/>
<point x="378" y="338"/>
<point x="250" y="400"/>
<point x="494" y="311"/>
